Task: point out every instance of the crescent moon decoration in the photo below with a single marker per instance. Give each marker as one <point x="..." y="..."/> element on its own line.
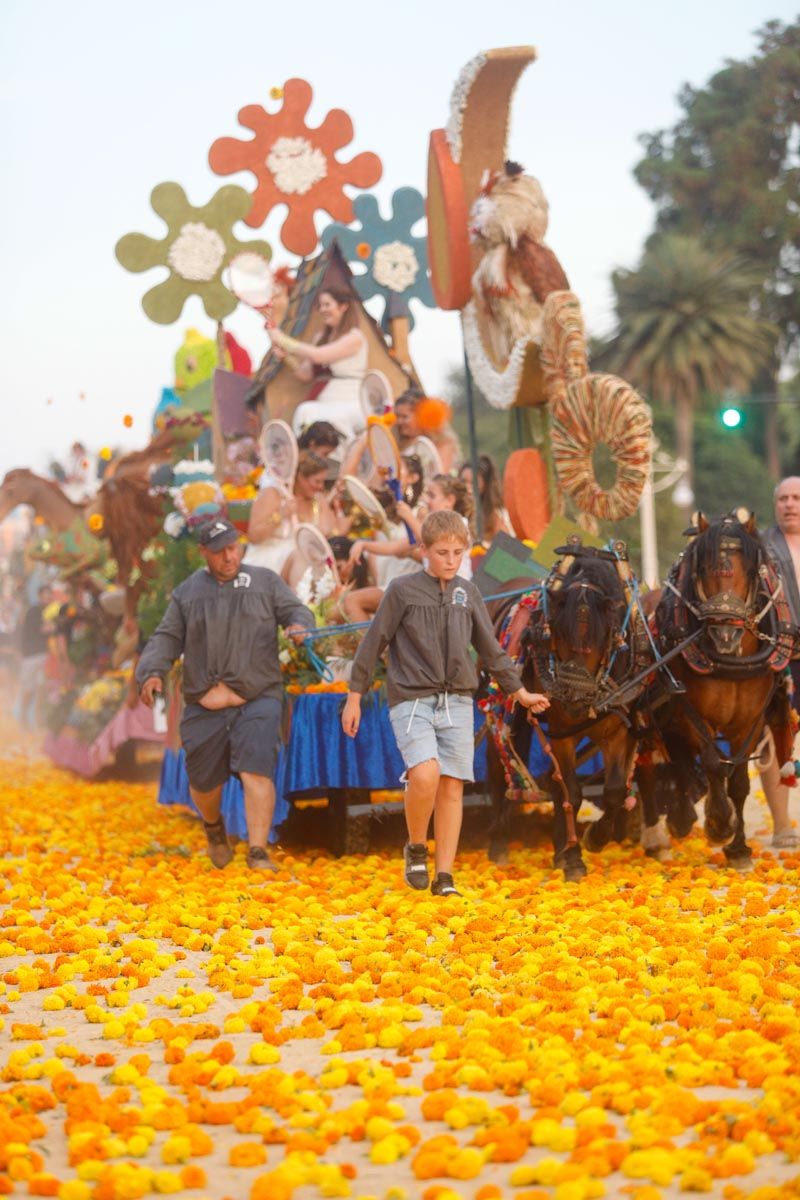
<point x="198" y="245"/>
<point x="295" y="164"/>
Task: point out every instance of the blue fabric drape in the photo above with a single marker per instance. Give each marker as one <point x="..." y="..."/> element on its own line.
<point x="319" y="756"/>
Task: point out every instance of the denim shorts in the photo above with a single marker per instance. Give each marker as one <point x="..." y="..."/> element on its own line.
<point x="439" y="727"/>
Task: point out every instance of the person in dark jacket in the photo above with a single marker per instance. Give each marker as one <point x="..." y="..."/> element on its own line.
<point x="224" y="620"/>
<point x="783" y="543"/>
<point x="429" y="620"/>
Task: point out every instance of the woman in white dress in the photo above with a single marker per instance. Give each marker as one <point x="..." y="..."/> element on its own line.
<point x="275" y="516"/>
<point x="341" y="352"/>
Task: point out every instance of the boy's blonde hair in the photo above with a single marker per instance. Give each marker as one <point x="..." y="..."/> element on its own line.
<point x="444" y="524"/>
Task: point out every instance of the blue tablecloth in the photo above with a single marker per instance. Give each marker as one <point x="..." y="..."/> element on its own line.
<point x="318" y="756"/>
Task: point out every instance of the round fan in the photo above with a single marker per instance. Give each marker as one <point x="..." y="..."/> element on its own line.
<point x="376" y="394"/>
<point x="279" y="453"/>
<point x="428" y="455"/>
<point x="366" y="500"/>
<point x="249" y="277"/>
<point x="383" y="449"/>
<point x="315" y="548"/>
<point x="365" y="467"/>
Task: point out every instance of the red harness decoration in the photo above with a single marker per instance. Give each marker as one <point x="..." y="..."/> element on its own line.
<point x="784" y="636"/>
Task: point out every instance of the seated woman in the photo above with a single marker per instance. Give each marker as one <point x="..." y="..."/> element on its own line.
<point x="275" y="516"/>
<point x="358" y="597"/>
<point x="489" y="496"/>
<point x="338" y="361"/>
<point x="320" y="438"/>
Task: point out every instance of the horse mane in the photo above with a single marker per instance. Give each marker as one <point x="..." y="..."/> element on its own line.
<point x="704" y="551"/>
<point x="599" y="600"/>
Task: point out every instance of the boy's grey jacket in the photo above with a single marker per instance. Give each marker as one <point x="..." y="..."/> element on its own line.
<point x="429" y="632"/>
<point x="227" y="633"/>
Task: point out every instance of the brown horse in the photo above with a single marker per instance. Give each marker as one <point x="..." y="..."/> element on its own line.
<point x="574" y="650"/>
<point x="725" y="586"/>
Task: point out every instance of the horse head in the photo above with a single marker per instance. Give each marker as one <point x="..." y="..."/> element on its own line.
<point x="585" y="607"/>
<point x="723" y="560"/>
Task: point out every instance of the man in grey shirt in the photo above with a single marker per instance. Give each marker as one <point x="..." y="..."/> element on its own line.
<point x="783" y="543"/>
<point x="224" y="620"/>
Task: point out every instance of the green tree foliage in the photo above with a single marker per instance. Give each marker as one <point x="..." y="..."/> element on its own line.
<point x="729" y="172"/>
<point x="685" y="327"/>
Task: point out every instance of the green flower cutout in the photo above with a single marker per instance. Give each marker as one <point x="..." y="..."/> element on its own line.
<point x="198" y="246"/>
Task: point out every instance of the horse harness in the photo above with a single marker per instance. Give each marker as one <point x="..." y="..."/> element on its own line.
<point x="627" y="651"/>
<point x="728" y="609"/>
<point x="765" y="602"/>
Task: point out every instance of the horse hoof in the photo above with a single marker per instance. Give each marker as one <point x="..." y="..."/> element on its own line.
<point x="741" y="863"/>
<point x="571" y="864"/>
<point x="659" y="853"/>
<point x="717" y="835"/>
<point x="574" y="872"/>
<point x="498" y="854"/>
<point x="597" y="835"/>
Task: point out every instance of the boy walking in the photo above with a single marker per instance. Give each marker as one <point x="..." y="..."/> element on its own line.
<point x="429" y="620"/>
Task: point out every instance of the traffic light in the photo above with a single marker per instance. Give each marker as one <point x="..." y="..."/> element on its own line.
<point x="731" y="417"/>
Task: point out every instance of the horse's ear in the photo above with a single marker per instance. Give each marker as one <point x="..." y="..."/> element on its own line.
<point x="701" y="521"/>
<point x="746" y="519"/>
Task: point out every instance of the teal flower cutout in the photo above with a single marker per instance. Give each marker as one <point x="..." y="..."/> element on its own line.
<point x="198" y="246"/>
<point x="396" y="262"/>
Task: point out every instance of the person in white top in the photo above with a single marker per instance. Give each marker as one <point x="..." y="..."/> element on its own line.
<point x="274" y="517"/>
<point x="489" y="494"/>
<point x="341" y="351"/>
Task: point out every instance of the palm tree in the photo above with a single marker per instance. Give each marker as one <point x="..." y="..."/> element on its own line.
<point x="686" y="326"/>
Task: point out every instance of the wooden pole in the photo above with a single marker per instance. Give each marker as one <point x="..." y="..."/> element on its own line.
<point x="473" y="447"/>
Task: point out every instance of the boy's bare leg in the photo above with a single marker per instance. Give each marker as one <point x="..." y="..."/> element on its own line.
<point x="423" y="781"/>
<point x="259" y="806"/>
<point x="207" y="803"/>
<point x="447" y="814"/>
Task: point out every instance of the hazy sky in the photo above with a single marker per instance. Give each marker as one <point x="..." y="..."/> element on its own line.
<point x="103" y="100"/>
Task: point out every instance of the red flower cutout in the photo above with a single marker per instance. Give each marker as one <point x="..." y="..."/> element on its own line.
<point x="296" y="165"/>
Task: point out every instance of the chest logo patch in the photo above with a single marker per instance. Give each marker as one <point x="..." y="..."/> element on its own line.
<point x="243" y="580"/>
<point x="459" y="597"/>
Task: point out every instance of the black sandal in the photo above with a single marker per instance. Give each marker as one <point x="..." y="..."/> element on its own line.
<point x="443" y="885"/>
<point x="415" y="856"/>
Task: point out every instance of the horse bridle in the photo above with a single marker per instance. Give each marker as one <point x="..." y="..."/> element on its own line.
<point x="570" y="683"/>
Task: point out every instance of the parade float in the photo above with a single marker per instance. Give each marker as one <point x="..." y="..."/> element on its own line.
<point x="484" y="255"/>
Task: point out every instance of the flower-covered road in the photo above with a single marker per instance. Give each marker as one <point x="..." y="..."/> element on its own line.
<point x="169" y="1028"/>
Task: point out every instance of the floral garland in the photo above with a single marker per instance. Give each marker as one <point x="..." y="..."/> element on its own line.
<point x="458" y="103"/>
<point x="500" y="388"/>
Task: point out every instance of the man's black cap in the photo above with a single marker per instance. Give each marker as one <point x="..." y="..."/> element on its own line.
<point x="217" y="534"/>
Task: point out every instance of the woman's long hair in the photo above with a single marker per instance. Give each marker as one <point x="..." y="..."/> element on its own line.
<point x="462" y="497"/>
<point x="350" y="318"/>
<point x="490" y="495"/>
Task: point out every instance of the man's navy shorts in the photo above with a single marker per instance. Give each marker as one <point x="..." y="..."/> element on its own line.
<point x="229" y="741"/>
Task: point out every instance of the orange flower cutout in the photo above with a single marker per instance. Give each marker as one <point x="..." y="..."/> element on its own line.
<point x="363" y="249"/>
<point x="296" y="165"/>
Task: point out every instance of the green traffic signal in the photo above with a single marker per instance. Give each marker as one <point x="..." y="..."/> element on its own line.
<point x="731" y="417"/>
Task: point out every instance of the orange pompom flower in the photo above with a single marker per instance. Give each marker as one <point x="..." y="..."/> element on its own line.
<point x="432" y="413"/>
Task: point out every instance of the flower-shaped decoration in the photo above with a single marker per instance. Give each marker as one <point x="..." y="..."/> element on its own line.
<point x="296" y="165"/>
<point x="198" y="245"/>
<point x="396" y="263"/>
